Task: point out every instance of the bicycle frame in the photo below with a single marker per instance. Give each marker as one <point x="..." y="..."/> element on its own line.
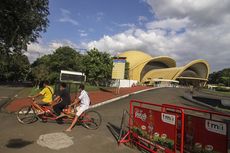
<point x="49" y="114"/>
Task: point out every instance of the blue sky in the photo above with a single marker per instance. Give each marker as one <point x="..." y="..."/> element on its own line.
<point x="184" y="30"/>
<point x="85" y="20"/>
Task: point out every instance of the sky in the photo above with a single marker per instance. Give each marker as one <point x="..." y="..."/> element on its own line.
<point x="185" y="30"/>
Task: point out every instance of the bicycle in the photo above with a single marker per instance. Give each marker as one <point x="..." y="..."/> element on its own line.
<point x="90" y="119"/>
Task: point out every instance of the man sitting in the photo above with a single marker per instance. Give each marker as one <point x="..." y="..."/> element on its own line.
<point x="84" y="101"/>
<point x="47" y="93"/>
<point x="61" y="101"/>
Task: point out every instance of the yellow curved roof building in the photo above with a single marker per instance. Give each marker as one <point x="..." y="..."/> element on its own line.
<point x="144" y="67"/>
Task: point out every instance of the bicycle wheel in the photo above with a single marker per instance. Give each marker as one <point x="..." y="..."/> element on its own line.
<point x="26" y="115"/>
<point x="91" y="120"/>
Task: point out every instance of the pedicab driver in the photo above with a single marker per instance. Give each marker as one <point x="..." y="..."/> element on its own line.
<point x="47" y="93"/>
<point x="84" y="101"/>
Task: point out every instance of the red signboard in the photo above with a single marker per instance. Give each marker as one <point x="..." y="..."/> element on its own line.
<point x="156" y="127"/>
<point x="204" y="135"/>
<point x="171" y="130"/>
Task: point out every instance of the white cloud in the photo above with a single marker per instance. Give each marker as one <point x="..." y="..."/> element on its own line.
<point x="185" y="30"/>
<point x="169" y="23"/>
<point x="124" y="25"/>
<point x="142" y="19"/>
<point x="99" y="16"/>
<point x="66" y="17"/>
<point x="201" y="12"/>
<point x="127" y="25"/>
<point x="83" y="34"/>
<point x="118" y="42"/>
<point x="39" y="49"/>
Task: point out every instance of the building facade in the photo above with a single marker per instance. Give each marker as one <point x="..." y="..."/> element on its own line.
<point x="145" y="68"/>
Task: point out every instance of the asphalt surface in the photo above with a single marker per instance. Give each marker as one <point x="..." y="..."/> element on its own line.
<point x="18" y="138"/>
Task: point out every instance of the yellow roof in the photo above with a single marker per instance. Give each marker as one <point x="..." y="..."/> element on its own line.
<point x="200" y="67"/>
<point x="144" y="67"/>
<point x="167" y="73"/>
<point x="135" y="57"/>
<point x="138" y="60"/>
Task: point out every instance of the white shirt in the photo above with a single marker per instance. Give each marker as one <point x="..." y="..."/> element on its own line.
<point x="85" y="101"/>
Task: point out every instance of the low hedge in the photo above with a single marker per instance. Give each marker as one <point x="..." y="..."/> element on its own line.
<point x="222" y="89"/>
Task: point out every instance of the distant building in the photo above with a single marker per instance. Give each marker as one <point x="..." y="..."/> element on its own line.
<point x="145" y="68"/>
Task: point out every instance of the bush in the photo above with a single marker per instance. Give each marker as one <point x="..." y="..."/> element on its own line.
<point x="223" y="89"/>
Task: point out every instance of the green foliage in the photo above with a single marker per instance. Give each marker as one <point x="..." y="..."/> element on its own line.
<point x="98" y="67"/>
<point x="21" y="23"/>
<point x="222" y="89"/>
<point x="220" y="77"/>
<point x="48" y="67"/>
<point x="40" y="72"/>
<point x="3" y="67"/>
<point x="65" y="58"/>
<point x="14" y="67"/>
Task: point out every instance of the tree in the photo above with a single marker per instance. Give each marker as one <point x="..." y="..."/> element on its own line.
<point x="64" y="58"/>
<point x="220" y="77"/>
<point x="40" y="69"/>
<point x="3" y="67"/>
<point x="14" y="67"/>
<point x="98" y="67"/>
<point x="40" y="72"/>
<point x="226" y="77"/>
<point x="21" y="21"/>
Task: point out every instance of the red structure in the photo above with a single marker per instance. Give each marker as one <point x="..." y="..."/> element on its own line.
<point x="170" y="128"/>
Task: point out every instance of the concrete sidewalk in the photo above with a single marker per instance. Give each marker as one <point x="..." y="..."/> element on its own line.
<point x="98" y="97"/>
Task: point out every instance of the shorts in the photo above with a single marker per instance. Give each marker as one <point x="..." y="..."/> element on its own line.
<point x="81" y="109"/>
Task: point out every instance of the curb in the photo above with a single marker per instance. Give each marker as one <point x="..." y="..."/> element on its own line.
<point x="4" y="104"/>
<point x="121" y="97"/>
<point x="2" y="109"/>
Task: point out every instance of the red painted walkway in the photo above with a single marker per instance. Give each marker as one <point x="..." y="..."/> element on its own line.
<point x="95" y="96"/>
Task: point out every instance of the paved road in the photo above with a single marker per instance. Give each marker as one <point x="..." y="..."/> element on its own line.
<point x="18" y="138"/>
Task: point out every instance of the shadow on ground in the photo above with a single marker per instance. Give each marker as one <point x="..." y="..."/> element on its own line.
<point x="18" y="143"/>
<point x="192" y="104"/>
<point x="105" y="90"/>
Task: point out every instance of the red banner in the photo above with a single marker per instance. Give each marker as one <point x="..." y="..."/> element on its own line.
<point x="204" y="135"/>
<point x="156" y="127"/>
<point x="153" y="129"/>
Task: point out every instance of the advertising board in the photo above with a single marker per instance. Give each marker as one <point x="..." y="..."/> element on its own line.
<point x="155" y="127"/>
<point x="72" y="76"/>
<point x="204" y="135"/>
<point x="118" y="71"/>
<point x="169" y="128"/>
